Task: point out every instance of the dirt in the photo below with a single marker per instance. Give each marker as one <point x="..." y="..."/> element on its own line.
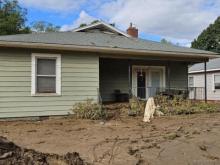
<point x="190" y="139"/>
<point x="11" y="154"/>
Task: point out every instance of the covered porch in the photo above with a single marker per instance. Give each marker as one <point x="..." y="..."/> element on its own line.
<point x="121" y="78"/>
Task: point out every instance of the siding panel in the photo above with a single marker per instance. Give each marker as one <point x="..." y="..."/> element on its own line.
<point x="199" y="81"/>
<point x="80" y="81"/>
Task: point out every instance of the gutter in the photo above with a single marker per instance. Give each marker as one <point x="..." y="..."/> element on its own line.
<point x="96" y="49"/>
<point x="202" y="71"/>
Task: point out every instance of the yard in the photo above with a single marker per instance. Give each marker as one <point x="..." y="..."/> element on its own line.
<point x="184" y="139"/>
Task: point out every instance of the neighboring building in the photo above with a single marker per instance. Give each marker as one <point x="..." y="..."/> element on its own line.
<point x="197" y="79"/>
<point x="47" y="73"/>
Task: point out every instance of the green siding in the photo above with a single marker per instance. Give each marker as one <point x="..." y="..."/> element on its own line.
<point x="79" y="79"/>
<point x="114" y="75"/>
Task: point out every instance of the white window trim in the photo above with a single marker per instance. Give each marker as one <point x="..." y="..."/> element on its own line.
<point x="193" y="81"/>
<point x="34" y="58"/>
<point x="213" y="80"/>
<point x="147" y="69"/>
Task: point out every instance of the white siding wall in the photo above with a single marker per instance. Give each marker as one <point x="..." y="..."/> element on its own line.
<point x="199" y="82"/>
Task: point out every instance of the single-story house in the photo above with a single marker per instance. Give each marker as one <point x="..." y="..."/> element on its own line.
<point x="196" y="79"/>
<point x="44" y="74"/>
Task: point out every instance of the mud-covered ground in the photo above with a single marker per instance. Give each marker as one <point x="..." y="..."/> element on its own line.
<point x="11" y="154"/>
<point x="191" y="140"/>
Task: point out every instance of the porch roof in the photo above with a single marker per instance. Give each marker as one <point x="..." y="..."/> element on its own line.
<point x="100" y="42"/>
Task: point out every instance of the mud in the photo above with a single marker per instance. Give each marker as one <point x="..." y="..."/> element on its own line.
<point x="183" y="140"/>
<point x="11" y="154"/>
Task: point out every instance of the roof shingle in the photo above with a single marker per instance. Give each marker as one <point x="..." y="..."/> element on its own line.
<point x="98" y="40"/>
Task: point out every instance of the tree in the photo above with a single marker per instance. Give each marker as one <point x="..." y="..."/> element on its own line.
<point x="82" y="25"/>
<point x="164" y="41"/>
<point x="42" y="26"/>
<point x="209" y="39"/>
<point x="12" y="18"/>
<point x="95" y="21"/>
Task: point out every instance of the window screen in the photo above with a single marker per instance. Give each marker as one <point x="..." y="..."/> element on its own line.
<point x="217" y="81"/>
<point x="46" y="76"/>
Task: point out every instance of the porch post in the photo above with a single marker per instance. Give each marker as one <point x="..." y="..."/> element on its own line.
<point x="168" y="75"/>
<point x="129" y="79"/>
<point x="205" y="76"/>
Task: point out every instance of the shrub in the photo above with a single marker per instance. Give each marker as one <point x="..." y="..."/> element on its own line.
<point x="136" y="106"/>
<point x="88" y="110"/>
<point x="178" y="105"/>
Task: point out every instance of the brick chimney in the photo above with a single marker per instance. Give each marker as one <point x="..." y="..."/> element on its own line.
<point x="132" y="31"/>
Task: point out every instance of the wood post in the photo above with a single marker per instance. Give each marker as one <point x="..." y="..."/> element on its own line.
<point x="205" y="76"/>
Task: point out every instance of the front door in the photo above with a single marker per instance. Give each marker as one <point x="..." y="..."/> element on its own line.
<point x="141" y="85"/>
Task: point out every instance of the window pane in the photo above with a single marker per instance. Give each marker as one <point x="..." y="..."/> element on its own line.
<point x="217" y="78"/>
<point x="217" y="85"/>
<point x="46" y="66"/>
<point x="191" y="83"/>
<point x="46" y="85"/>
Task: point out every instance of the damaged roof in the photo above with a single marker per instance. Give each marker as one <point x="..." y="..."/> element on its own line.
<point x="97" y="40"/>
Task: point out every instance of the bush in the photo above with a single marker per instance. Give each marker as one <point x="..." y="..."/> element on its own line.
<point x="137" y="107"/>
<point x="178" y="105"/>
<point x="88" y="110"/>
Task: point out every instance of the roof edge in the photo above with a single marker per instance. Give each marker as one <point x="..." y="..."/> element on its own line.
<point x="102" y="23"/>
<point x="104" y="49"/>
<point x="202" y="71"/>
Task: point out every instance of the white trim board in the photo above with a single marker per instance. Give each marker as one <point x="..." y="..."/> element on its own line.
<point x="34" y="58"/>
<point x="148" y="70"/>
<point x="202" y="71"/>
<point x="104" y="24"/>
<point x="213" y="81"/>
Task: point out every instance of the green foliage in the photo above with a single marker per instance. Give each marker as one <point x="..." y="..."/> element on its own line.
<point x="12" y="18"/>
<point x="178" y="105"/>
<point x="209" y="39"/>
<point x="164" y="41"/>
<point x="95" y="21"/>
<point x="82" y="25"/>
<point x="88" y="110"/>
<point x="137" y="107"/>
<point x="41" y="26"/>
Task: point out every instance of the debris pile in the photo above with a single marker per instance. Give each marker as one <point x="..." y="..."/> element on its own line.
<point x="12" y="154"/>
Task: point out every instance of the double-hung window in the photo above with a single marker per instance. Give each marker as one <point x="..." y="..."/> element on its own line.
<point x="46" y="74"/>
<point x="216" y="82"/>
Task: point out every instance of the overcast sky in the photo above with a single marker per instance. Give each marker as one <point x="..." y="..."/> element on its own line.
<point x="176" y="20"/>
